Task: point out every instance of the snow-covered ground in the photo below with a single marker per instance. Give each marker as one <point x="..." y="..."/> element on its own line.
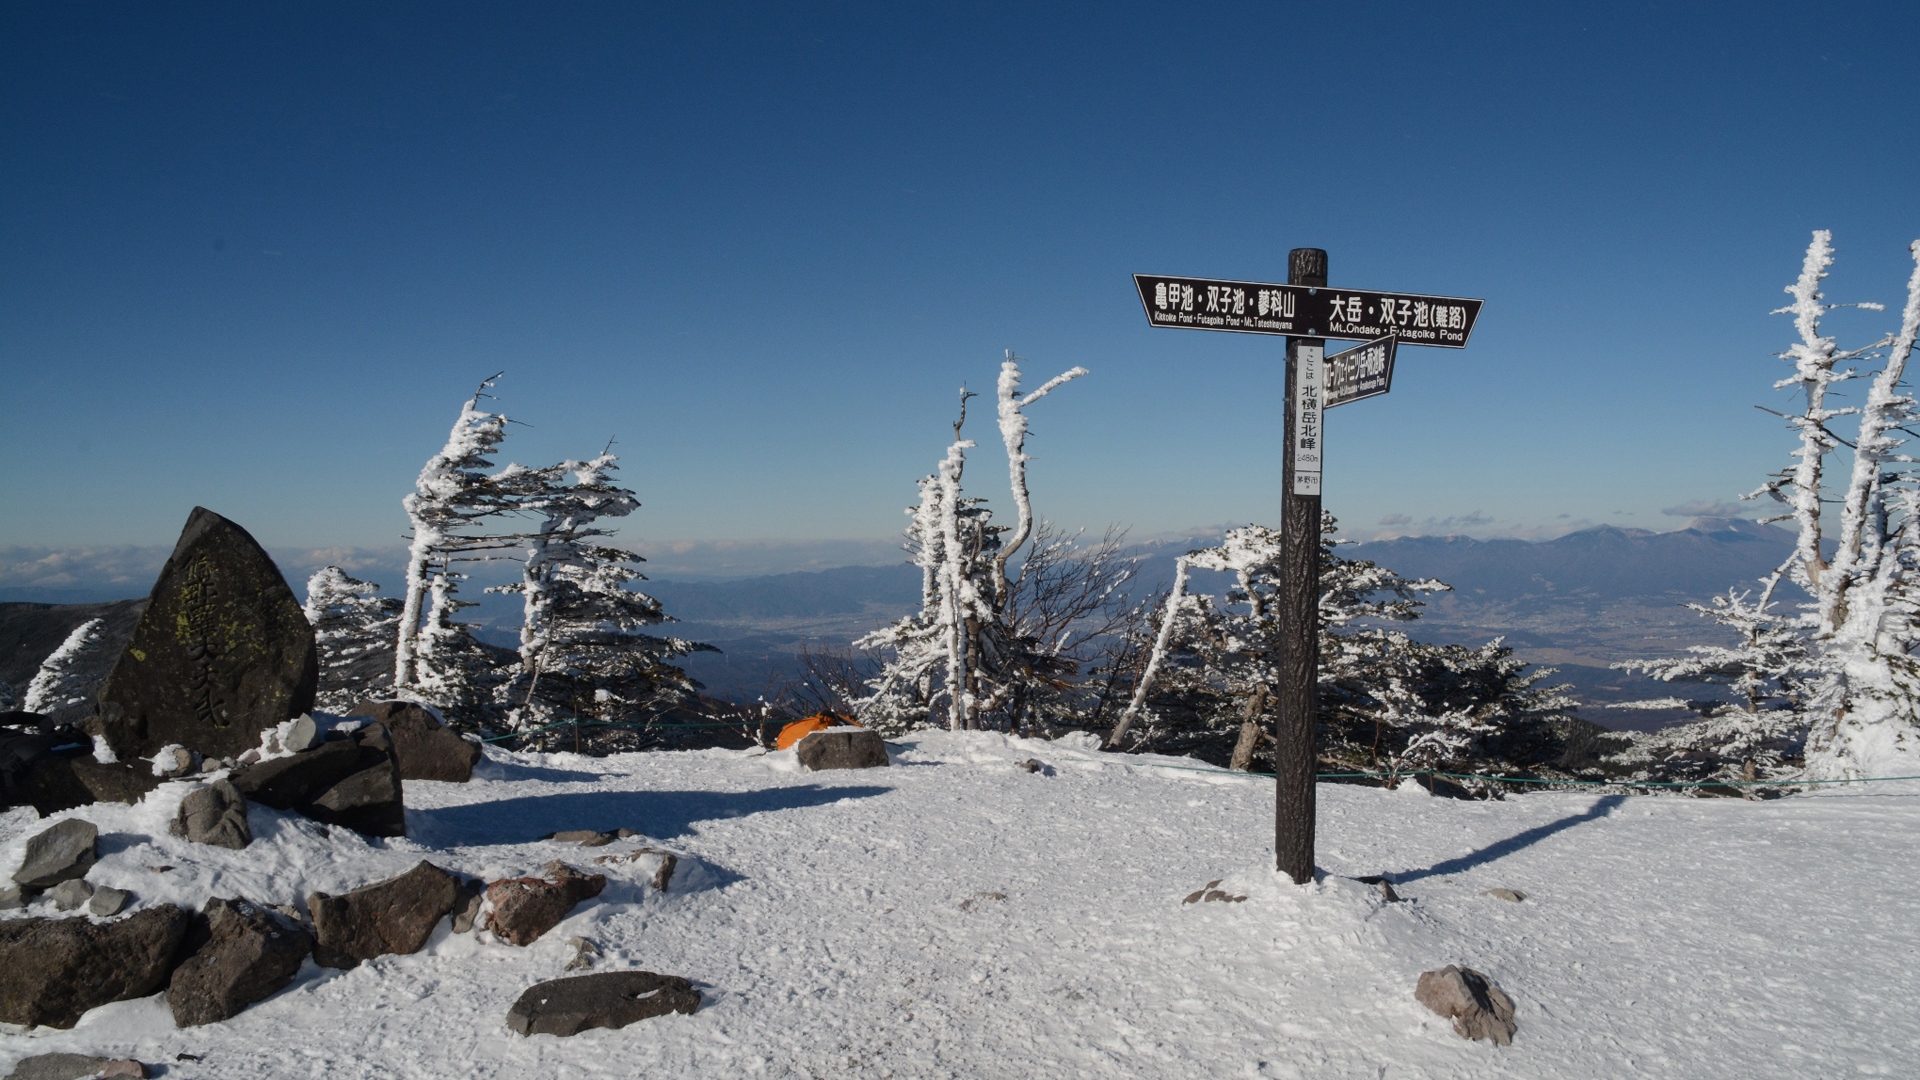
<point x="955" y="915"/>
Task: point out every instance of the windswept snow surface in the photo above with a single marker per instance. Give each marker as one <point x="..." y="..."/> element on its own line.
<point x="957" y="916"/>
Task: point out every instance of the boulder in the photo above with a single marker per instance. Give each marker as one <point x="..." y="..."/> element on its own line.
<point x="70" y="894"/>
<point x="61" y="853"/>
<point x="215" y="814"/>
<point x="524" y="908"/>
<point x="350" y="781"/>
<point x="611" y="999"/>
<point x="222" y="651"/>
<point x="368" y="802"/>
<point x="841" y="748"/>
<point x="1477" y="1007"/>
<point x="251" y="953"/>
<point x="11" y="898"/>
<point x="108" y="901"/>
<point x="289" y="783"/>
<point x="53" y="970"/>
<point x="74" y="1067"/>
<point x="393" y="916"/>
<point x="425" y="748"/>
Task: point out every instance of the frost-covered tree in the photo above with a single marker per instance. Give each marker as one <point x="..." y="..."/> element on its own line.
<point x="966" y="653"/>
<point x="582" y="645"/>
<point x="70" y="678"/>
<point x="1387" y="702"/>
<point x="353" y="627"/>
<point x="454" y="502"/>
<point x="1863" y="710"/>
<point x="453" y="670"/>
<point x="1760" y="721"/>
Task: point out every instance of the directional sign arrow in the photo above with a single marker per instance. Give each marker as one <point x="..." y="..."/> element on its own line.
<point x="1255" y="307"/>
<point x="1363" y="371"/>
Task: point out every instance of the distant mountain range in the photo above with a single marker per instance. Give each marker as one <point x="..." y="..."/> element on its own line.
<point x="1578" y="602"/>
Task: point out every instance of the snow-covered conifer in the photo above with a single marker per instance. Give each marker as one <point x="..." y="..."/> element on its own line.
<point x="70" y="678"/>
<point x="1387" y="702"/>
<point x="582" y="648"/>
<point x="353" y="627"/>
<point x="452" y="500"/>
<point x="1767" y="672"/>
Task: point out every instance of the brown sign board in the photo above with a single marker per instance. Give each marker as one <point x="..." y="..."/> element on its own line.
<point x="1254" y="307"/>
<point x="1363" y="371"/>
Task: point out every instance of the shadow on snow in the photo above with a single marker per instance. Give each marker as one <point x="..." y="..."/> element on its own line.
<point x="662" y="815"/>
<point x="1500" y="849"/>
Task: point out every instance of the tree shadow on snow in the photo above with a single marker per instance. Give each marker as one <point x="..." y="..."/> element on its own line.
<point x="1500" y="849"/>
<point x="662" y="815"/>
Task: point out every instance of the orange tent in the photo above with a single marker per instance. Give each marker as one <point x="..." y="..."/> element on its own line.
<point x="800" y="729"/>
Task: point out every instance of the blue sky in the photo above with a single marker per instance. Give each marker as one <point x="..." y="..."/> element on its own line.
<point x="255" y="255"/>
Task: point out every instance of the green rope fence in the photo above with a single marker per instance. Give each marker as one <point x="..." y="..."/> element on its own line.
<point x="1550" y="782"/>
<point x="1318" y="776"/>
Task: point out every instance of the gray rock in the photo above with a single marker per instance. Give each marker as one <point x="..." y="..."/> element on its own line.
<point x="70" y="894"/>
<point x="179" y="762"/>
<point x="1511" y="896"/>
<point x="215" y="814"/>
<point x="74" y="1067"/>
<point x="583" y="837"/>
<point x="60" y="853"/>
<point x="1032" y="765"/>
<point x="250" y="954"/>
<point x="393" y="916"/>
<point x="53" y="970"/>
<point x="302" y="734"/>
<point x="12" y="899"/>
<point x="108" y="901"/>
<point x="1478" y="1009"/>
<point x="473" y="893"/>
<point x="584" y="952"/>
<point x="611" y="999"/>
<point x="525" y="908"/>
<point x="222" y="651"/>
<point x="425" y="748"/>
<point x="841" y="749"/>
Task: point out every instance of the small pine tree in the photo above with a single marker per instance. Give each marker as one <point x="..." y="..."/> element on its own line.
<point x="68" y="681"/>
<point x="354" y="629"/>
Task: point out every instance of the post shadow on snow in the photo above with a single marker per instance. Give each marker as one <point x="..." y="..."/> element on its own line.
<point x="662" y="815"/>
<point x="1500" y="849"/>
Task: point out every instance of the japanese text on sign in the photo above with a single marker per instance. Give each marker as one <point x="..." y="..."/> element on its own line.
<point x="1299" y="311"/>
<point x="1309" y="398"/>
<point x="1360" y="372"/>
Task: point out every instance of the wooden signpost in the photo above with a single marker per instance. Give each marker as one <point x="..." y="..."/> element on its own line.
<point x="1306" y="312"/>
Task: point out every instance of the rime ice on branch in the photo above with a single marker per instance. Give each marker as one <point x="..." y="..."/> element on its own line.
<point x="967" y="651"/>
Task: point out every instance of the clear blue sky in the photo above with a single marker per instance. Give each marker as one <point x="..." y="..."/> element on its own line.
<point x="254" y="255"/>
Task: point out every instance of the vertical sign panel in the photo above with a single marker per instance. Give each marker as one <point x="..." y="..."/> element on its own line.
<point x="1309" y="398"/>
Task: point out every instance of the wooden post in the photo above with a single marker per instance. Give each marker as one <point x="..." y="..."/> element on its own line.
<point x="1299" y="616"/>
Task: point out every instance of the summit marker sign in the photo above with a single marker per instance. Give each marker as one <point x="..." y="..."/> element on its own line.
<point x="1255" y="307"/>
<point x="1306" y="312"/>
